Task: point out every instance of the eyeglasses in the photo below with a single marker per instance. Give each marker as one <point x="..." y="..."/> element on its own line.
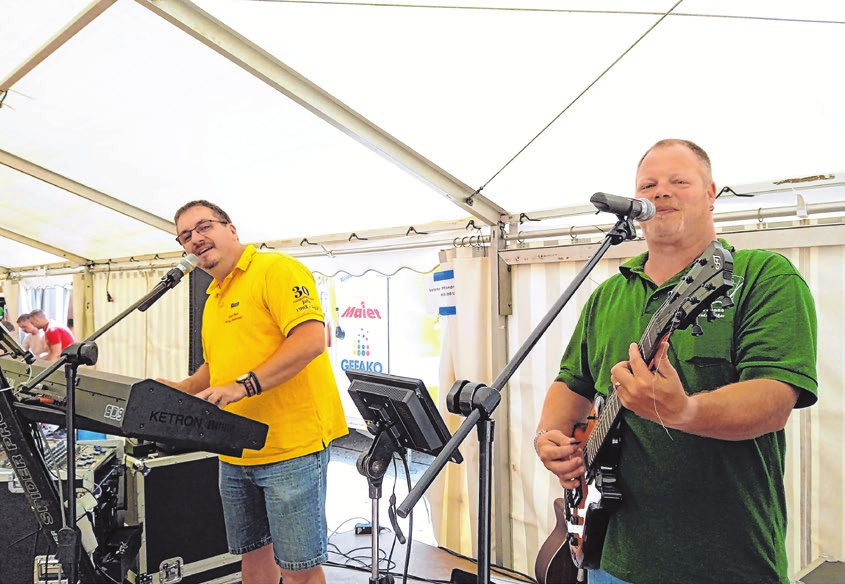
<point x="201" y="228"/>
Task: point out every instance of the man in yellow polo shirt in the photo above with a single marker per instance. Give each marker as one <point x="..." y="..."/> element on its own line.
<point x="265" y="358"/>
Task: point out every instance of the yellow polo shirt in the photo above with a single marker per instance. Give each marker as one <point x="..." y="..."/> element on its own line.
<point x="246" y="318"/>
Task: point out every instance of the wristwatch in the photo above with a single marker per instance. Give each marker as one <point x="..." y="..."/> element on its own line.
<point x="244" y="380"/>
<point x="250" y="383"/>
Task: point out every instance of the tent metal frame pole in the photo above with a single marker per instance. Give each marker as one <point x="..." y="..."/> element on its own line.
<point x="247" y="55"/>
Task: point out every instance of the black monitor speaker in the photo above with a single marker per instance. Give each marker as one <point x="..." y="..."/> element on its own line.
<point x="404" y="405"/>
<point x="199" y="281"/>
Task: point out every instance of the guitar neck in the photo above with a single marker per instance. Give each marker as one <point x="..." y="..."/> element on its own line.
<point x="612" y="409"/>
<point x="607" y="419"/>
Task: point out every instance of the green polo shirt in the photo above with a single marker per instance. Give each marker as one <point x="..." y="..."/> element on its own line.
<point x="698" y="509"/>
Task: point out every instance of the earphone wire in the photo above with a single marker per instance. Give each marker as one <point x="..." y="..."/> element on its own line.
<point x="654" y="398"/>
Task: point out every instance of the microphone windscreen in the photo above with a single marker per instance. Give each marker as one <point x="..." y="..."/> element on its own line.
<point x="188" y="263"/>
<point x="647" y="211"/>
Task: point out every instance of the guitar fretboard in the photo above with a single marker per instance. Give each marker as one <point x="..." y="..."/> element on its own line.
<point x="613" y="406"/>
<point x="607" y="419"/>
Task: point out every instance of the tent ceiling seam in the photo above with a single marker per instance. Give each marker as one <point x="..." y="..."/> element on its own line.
<point x="580" y="95"/>
<point x="523" y="9"/>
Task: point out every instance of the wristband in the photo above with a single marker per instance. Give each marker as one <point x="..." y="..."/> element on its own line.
<point x="255" y="385"/>
<point x="537" y="437"/>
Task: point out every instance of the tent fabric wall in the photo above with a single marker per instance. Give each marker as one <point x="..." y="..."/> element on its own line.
<point x="454" y="494"/>
<point x="536" y="287"/>
<point x="814" y="480"/>
<point x="83" y="310"/>
<point x="146" y="344"/>
<point x="821" y="452"/>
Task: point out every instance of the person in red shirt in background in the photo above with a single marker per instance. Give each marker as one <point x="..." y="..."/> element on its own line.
<point x="34" y="340"/>
<point x="56" y="336"/>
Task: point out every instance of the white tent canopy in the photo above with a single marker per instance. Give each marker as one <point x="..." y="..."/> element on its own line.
<point x="116" y="112"/>
<point x="328" y="129"/>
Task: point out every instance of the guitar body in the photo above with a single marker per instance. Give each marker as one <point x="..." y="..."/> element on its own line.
<point x="554" y="561"/>
<point x="581" y="518"/>
<point x="588" y="508"/>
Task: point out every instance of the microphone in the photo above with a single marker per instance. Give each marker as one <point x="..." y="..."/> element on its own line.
<point x="185" y="265"/>
<point x="639" y="209"/>
<point x="170" y="279"/>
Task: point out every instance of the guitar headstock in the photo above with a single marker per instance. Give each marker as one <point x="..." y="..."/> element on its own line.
<point x="709" y="278"/>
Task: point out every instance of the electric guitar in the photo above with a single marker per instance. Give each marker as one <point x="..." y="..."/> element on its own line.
<point x="582" y="516"/>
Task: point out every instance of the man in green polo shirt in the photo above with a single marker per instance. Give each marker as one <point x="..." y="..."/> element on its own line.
<point x="701" y="464"/>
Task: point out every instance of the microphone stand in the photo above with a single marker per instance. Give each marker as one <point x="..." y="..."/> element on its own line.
<point x="83" y="353"/>
<point x="477" y="401"/>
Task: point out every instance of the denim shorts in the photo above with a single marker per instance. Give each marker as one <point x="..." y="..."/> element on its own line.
<point x="283" y="503"/>
<point x="602" y="577"/>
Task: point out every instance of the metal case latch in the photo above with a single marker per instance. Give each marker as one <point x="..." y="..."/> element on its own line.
<point x="48" y="570"/>
<point x="170" y="571"/>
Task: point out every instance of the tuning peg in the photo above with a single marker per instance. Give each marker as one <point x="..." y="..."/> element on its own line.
<point x="711" y="316"/>
<point x="696" y="331"/>
<point x="688" y="279"/>
<point x="727" y="302"/>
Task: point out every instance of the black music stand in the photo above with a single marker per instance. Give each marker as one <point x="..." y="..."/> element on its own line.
<point x="401" y="415"/>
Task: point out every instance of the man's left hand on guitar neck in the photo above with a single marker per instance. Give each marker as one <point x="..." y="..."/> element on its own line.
<point x="656" y="395"/>
<point x="740" y="411"/>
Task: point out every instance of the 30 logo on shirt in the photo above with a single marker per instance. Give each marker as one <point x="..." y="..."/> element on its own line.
<point x="302" y="296"/>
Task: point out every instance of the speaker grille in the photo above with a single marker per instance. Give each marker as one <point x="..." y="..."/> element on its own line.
<point x="199" y="280"/>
